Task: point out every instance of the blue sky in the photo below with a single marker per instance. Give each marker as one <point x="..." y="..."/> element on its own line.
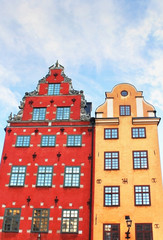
<point x="100" y="44"/>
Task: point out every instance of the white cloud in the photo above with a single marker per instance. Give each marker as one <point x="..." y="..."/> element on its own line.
<point x="8" y="99"/>
<point x="81" y="31"/>
<point x="157" y="98"/>
<point x="74" y="31"/>
<point x="8" y="76"/>
<point x="88" y="32"/>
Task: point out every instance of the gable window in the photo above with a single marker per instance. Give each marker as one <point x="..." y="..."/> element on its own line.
<point x="143" y="231"/>
<point x="23" y="141"/>
<point x="70" y="220"/>
<point x="11" y="220"/>
<point x="140" y="159"/>
<point x="111" y="160"/>
<point x="111" y="196"/>
<point x="111" y="231"/>
<point x="39" y="114"/>
<point x="54" y="89"/>
<point x="124" y="93"/>
<point x="44" y="176"/>
<point x="72" y="177"/>
<point x="17" y="177"/>
<point x="40" y="220"/>
<point x="142" y="195"/>
<point x="48" y="141"/>
<point x="74" y="140"/>
<point x="111" y="133"/>
<point x="125" y="110"/>
<point x="138" y="132"/>
<point x="63" y="113"/>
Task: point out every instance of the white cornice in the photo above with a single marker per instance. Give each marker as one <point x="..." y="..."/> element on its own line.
<point x="146" y="120"/>
<point x="107" y="121"/>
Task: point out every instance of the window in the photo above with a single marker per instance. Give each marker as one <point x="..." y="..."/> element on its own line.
<point x="138" y="132"/>
<point x="53" y="89"/>
<point x="22" y="141"/>
<point x="48" y="141"/>
<point x="17" y="177"/>
<point x="142" y="195"/>
<point x="111" y="232"/>
<point x="140" y="159"/>
<point x="63" y="113"/>
<point x="40" y="220"/>
<point x="39" y="114"/>
<point x="44" y="176"/>
<point x="143" y="231"/>
<point x="124" y="93"/>
<point x="70" y="221"/>
<point x="125" y="110"/>
<point x="72" y="177"/>
<point x="74" y="140"/>
<point x="111" y="196"/>
<point x="11" y="220"/>
<point x="111" y="133"/>
<point x="111" y="160"/>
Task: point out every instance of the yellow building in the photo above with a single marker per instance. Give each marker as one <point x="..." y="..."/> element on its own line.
<point x="127" y="180"/>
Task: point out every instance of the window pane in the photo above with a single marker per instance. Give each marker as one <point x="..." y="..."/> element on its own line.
<point x="111" y="232"/>
<point x="125" y="110"/>
<point x="114" y="133"/>
<point x="122" y="110"/>
<point x="111" y="160"/>
<point x="11" y="220"/>
<point x="40" y="220"/>
<point x="111" y="133"/>
<point x="63" y="113"/>
<point x="142" y="132"/>
<point x="26" y="140"/>
<point x="22" y="141"/>
<point x="17" y="177"/>
<point x="48" y="140"/>
<point x="140" y="159"/>
<point x="70" y="140"/>
<point x="69" y="221"/>
<point x="138" y="132"/>
<point x="44" y="141"/>
<point x="75" y="180"/>
<point x="54" y="89"/>
<point x="39" y="114"/>
<point x="144" y="231"/>
<point x="142" y="195"/>
<point x="74" y="140"/>
<point x="44" y="176"/>
<point x="72" y="177"/>
<point x="111" y="196"/>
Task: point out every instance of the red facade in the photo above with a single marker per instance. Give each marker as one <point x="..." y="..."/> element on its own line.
<point x="45" y="173"/>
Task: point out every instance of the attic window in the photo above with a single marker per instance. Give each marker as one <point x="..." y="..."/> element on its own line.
<point x="124" y="93"/>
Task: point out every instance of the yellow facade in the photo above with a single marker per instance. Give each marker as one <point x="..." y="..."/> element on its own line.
<point x="133" y="174"/>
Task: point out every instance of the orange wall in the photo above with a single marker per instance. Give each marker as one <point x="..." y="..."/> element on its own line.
<point x="125" y="144"/>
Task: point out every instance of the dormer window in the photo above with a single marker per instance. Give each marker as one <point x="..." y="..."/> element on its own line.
<point x="54" y="89"/>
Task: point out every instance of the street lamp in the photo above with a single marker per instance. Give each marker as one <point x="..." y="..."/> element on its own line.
<point x="129" y="223"/>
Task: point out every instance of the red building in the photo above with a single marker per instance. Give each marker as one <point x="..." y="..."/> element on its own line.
<point x="45" y="173"/>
